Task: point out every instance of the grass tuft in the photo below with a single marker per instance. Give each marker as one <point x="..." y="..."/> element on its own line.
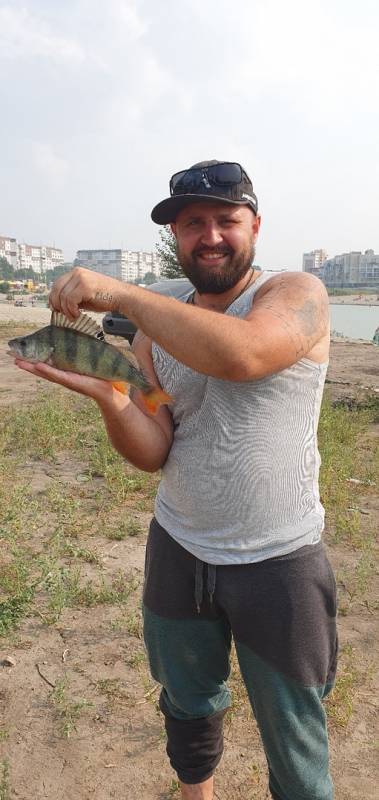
<point x="68" y="711"/>
<point x="13" y="609"/>
<point x="340" y="703"/>
<point x="4" y="780"/>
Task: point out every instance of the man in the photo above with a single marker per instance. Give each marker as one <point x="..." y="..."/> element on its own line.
<point x="235" y="547"/>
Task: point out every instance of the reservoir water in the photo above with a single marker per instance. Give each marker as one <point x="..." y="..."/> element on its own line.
<point x="355" y="322"/>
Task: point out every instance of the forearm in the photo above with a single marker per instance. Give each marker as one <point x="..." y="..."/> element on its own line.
<point x="206" y="341"/>
<point x="285" y="324"/>
<point x="138" y="438"/>
<point x="290" y="316"/>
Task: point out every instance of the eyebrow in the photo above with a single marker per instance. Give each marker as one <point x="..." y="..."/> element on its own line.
<point x="223" y="216"/>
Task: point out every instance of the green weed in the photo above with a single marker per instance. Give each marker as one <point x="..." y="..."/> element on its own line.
<point x="61" y="585"/>
<point x="133" y="624"/>
<point x="340" y="703"/>
<point x="118" y="592"/>
<point x="127" y="527"/>
<point x="68" y="711"/>
<point x="137" y="659"/>
<point x="14" y="608"/>
<point x="113" y="691"/>
<point x="356" y="582"/>
<point x="4" y="780"/>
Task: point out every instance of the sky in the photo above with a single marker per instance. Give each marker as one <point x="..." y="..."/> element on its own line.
<point x="102" y="101"/>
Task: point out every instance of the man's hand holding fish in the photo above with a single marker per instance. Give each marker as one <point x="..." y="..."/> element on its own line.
<point x="72" y="352"/>
<point x="85" y="289"/>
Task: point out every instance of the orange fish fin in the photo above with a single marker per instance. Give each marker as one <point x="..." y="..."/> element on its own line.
<point x="121" y="386"/>
<point x="155" y="398"/>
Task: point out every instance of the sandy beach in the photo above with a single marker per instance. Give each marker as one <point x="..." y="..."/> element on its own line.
<point x="355" y="299"/>
<point x="28" y="314"/>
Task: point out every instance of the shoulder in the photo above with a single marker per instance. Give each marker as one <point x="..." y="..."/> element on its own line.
<point x="293" y="283"/>
<point x="291" y="311"/>
<point x="297" y="294"/>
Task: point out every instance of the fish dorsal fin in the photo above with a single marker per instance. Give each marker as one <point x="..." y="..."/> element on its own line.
<point x="83" y="324"/>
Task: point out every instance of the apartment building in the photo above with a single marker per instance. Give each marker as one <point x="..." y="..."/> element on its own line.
<point x="313" y="262"/>
<point x="39" y="257"/>
<point x="352" y="269"/>
<point x="8" y="250"/>
<point x="126" y="265"/>
<point x="29" y="256"/>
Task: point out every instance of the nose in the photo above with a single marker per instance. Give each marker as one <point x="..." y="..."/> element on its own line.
<point x="211" y="235"/>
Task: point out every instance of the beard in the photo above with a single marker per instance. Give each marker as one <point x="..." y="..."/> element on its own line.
<point x="216" y="281"/>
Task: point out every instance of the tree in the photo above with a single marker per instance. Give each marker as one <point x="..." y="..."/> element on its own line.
<point x="149" y="278"/>
<point x="4" y="287"/>
<point x="166" y="250"/>
<point x="26" y="274"/>
<point x="6" y="270"/>
<point x="52" y="274"/>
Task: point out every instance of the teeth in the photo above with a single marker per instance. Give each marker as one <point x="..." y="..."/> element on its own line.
<point x="212" y="255"/>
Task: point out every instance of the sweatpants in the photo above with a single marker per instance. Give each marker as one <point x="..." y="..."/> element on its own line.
<point x="281" y="614"/>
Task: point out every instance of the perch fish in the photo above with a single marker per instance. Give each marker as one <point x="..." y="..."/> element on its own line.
<point x="80" y="347"/>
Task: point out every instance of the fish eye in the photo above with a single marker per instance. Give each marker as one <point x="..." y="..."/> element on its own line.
<point x="23" y="342"/>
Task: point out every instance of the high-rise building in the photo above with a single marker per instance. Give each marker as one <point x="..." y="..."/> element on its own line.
<point x="8" y="250"/>
<point x="352" y="269"/>
<point x="126" y="265"/>
<point x="313" y="262"/>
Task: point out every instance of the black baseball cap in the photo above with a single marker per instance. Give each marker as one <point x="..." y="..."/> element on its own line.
<point x="225" y="181"/>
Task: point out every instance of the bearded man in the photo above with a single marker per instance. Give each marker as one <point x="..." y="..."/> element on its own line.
<point x="235" y="547"/>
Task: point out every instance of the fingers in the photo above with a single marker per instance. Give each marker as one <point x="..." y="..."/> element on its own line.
<point x="67" y="293"/>
<point x="83" y="384"/>
<point x="83" y="288"/>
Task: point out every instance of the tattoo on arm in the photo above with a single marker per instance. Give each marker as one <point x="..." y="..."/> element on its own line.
<point x="309" y="317"/>
<point x="287" y="325"/>
<point x="105" y="296"/>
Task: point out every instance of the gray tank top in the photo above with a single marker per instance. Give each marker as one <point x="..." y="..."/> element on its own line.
<point x="240" y="483"/>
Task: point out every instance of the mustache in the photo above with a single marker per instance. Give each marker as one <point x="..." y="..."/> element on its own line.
<point x="223" y="250"/>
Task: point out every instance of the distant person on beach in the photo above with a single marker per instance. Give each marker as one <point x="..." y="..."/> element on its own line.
<point x="235" y="547"/>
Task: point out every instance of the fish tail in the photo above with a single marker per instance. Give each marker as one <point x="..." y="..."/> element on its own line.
<point x="121" y="386"/>
<point x="154" y="398"/>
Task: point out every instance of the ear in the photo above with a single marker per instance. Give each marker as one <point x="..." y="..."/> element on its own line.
<point x="256" y="225"/>
<point x="173" y="229"/>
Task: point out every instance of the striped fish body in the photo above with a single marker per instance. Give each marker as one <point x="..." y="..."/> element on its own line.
<point x="66" y="347"/>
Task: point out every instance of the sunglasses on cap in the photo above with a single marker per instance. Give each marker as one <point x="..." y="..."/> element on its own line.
<point x="226" y="173"/>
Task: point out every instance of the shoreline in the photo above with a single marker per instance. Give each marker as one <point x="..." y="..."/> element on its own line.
<point x="39" y="316"/>
<point x="354" y="300"/>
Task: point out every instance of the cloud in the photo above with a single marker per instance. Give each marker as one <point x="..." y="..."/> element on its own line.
<point x="51" y="166"/>
<point x="23" y="35"/>
<point x="104" y="100"/>
<point x="125" y="14"/>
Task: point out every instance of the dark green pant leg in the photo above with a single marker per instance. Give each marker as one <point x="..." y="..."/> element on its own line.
<point x="292" y="723"/>
<point x="190" y="659"/>
<point x="283" y="619"/>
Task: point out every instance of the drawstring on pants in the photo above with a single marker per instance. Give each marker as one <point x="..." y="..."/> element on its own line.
<point x="199" y="583"/>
